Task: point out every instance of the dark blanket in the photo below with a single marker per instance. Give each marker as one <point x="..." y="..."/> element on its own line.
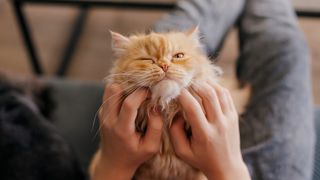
<point x="30" y="146"/>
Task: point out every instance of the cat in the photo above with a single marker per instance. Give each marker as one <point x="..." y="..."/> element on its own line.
<point x="166" y="63"/>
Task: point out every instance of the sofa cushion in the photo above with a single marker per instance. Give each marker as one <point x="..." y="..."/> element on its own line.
<point x="76" y="104"/>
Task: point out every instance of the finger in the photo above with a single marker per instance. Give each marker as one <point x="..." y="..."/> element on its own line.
<point x="129" y="109"/>
<point x="210" y="101"/>
<point x="179" y="139"/>
<point x="222" y="96"/>
<point x="230" y="101"/>
<point x="153" y="134"/>
<point x="193" y="111"/>
<point x="111" y="102"/>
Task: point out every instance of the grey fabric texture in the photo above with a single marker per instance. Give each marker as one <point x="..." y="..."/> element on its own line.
<point x="213" y="17"/>
<point x="76" y="105"/>
<point x="277" y="129"/>
<point x="316" y="174"/>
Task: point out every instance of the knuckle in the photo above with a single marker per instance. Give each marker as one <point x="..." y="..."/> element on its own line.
<point x="209" y="94"/>
<point x="112" y="88"/>
<point x="219" y="89"/>
<point x="207" y="139"/>
<point x="120" y="133"/>
<point x="192" y="109"/>
<point x="128" y="105"/>
<point x="223" y="127"/>
<point x="105" y="123"/>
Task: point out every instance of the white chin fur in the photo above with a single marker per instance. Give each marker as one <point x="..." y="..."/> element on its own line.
<point x="165" y="91"/>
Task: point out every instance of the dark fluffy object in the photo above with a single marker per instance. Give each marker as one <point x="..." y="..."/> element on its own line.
<point x="30" y="146"/>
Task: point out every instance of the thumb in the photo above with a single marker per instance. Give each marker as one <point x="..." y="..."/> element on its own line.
<point x="154" y="130"/>
<point x="179" y="140"/>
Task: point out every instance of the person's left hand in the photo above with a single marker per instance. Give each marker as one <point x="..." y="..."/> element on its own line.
<point x="214" y="146"/>
<point x="123" y="149"/>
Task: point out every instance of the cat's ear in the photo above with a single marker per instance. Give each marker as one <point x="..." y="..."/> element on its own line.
<point x="194" y="34"/>
<point x="119" y="42"/>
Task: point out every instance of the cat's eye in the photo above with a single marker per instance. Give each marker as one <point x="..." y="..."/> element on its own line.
<point x="178" y="55"/>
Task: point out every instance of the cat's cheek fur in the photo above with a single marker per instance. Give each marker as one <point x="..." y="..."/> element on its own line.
<point x="186" y="80"/>
<point x="165" y="91"/>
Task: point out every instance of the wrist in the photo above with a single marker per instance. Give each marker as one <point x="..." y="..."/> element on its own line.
<point x="107" y="170"/>
<point x="236" y="171"/>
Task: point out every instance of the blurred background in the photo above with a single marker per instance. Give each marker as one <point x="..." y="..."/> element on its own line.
<point x="52" y="24"/>
<point x="70" y="39"/>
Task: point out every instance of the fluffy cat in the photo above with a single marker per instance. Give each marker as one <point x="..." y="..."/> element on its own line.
<point x="165" y="63"/>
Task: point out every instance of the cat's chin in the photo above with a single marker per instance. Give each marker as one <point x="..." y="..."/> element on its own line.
<point x="164" y="91"/>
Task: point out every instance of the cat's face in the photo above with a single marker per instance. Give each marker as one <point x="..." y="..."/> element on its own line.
<point x="165" y="62"/>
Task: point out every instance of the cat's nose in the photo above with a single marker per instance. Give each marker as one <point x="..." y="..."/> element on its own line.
<point x="164" y="67"/>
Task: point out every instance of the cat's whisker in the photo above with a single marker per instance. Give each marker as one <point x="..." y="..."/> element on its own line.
<point x="125" y="73"/>
<point x="123" y="96"/>
<point x="112" y="106"/>
<point x="133" y="77"/>
<point x="100" y="107"/>
<point x="107" y="117"/>
<point x="136" y="74"/>
<point x="127" y="89"/>
<point x="105" y="101"/>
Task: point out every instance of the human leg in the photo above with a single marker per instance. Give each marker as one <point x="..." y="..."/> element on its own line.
<point x="277" y="131"/>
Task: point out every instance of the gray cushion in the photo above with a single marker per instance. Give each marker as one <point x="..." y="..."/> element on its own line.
<point x="76" y="105"/>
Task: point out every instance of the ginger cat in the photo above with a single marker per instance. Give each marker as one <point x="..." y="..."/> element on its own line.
<point x="165" y="63"/>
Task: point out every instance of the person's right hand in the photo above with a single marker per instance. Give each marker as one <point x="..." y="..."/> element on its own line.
<point x="123" y="149"/>
<point x="214" y="147"/>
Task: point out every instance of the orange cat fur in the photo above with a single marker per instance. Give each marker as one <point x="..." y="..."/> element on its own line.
<point x="165" y="63"/>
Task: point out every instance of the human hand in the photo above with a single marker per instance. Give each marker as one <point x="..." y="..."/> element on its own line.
<point x="122" y="148"/>
<point x="214" y="147"/>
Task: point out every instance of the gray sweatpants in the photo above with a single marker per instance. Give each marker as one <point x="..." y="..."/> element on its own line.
<point x="277" y="130"/>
